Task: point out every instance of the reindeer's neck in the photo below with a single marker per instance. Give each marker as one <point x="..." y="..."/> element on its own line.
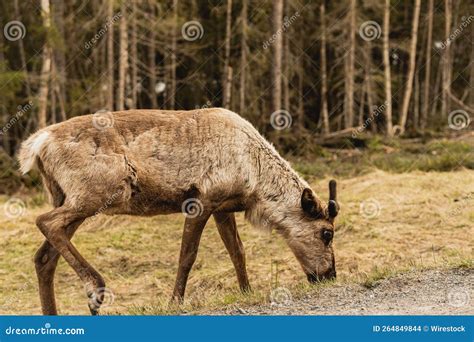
<point x="278" y="190"/>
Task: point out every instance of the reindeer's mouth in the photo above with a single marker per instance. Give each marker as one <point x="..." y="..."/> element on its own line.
<point x="316" y="278"/>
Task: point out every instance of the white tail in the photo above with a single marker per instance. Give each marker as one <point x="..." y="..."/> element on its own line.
<point x="30" y="149"/>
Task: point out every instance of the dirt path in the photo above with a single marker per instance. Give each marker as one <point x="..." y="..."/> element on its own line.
<point x="432" y="292"/>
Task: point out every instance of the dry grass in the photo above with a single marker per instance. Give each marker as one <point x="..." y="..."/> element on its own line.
<point x="424" y="220"/>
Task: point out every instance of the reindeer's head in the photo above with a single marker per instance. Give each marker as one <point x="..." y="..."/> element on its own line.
<point x="311" y="241"/>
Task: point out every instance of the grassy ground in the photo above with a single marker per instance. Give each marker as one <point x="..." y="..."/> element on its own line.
<point x="390" y="222"/>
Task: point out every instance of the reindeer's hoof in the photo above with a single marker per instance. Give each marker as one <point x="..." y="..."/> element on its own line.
<point x="99" y="297"/>
<point x="246" y="289"/>
<point x="93" y="309"/>
<point x="94" y="304"/>
<point x="175" y="302"/>
<point x="95" y="299"/>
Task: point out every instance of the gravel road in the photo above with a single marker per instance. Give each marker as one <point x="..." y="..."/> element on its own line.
<point x="431" y="292"/>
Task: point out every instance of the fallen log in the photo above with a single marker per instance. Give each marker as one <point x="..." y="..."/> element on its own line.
<point x="356" y="135"/>
<point x="461" y="104"/>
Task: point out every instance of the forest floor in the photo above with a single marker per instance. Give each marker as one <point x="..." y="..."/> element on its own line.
<point x="403" y="244"/>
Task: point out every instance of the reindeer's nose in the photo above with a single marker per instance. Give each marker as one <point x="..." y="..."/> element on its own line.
<point x="316" y="278"/>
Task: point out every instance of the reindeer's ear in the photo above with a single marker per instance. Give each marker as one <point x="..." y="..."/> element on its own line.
<point x="310" y="205"/>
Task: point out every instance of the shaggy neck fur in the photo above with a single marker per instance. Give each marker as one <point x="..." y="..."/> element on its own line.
<point x="278" y="192"/>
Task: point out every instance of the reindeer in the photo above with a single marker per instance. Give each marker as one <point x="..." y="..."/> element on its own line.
<point x="148" y="162"/>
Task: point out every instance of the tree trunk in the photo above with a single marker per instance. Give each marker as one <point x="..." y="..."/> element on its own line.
<point x="172" y="91"/>
<point x="134" y="55"/>
<point x="110" y="58"/>
<point x="437" y="83"/>
<point x="426" y="88"/>
<point x="286" y="64"/>
<point x="411" y="67"/>
<point x="45" y="69"/>
<point x="370" y="105"/>
<point x="227" y="79"/>
<point x="324" y="86"/>
<point x="471" y="74"/>
<point x="123" y="57"/>
<point x="349" y="98"/>
<point x="387" y="73"/>
<point x="59" y="59"/>
<point x="360" y="115"/>
<point x="102" y="60"/>
<point x="368" y="82"/>
<point x="22" y="53"/>
<point x="5" y="142"/>
<point x="229" y="87"/>
<point x="301" y="94"/>
<point x="152" y="60"/>
<point x="277" y="54"/>
<point x="52" y="93"/>
<point x="445" y="101"/>
<point x="416" y="103"/>
<point x="243" y="56"/>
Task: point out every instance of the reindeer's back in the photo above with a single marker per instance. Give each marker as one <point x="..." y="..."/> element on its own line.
<point x="149" y="153"/>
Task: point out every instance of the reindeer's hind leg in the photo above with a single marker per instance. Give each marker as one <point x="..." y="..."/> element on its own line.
<point x="228" y="231"/>
<point x="53" y="226"/>
<point x="193" y="228"/>
<point x="46" y="261"/>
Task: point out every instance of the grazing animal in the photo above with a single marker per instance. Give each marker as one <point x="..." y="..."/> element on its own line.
<point x="146" y="162"/>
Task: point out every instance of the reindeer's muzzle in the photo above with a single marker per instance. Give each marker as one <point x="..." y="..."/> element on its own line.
<point x="330" y="274"/>
<point x="316" y="278"/>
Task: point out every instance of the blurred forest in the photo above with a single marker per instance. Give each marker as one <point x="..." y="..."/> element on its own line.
<point x="327" y="69"/>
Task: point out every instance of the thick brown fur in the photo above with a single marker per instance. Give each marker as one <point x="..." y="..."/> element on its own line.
<point x="149" y="162"/>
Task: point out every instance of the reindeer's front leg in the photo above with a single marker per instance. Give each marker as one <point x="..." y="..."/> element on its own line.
<point x="228" y="231"/>
<point x="193" y="228"/>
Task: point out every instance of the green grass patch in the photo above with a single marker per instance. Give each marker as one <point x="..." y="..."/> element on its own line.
<point x="396" y="156"/>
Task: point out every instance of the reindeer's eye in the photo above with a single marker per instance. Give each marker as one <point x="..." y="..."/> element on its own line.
<point x="327" y="236"/>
